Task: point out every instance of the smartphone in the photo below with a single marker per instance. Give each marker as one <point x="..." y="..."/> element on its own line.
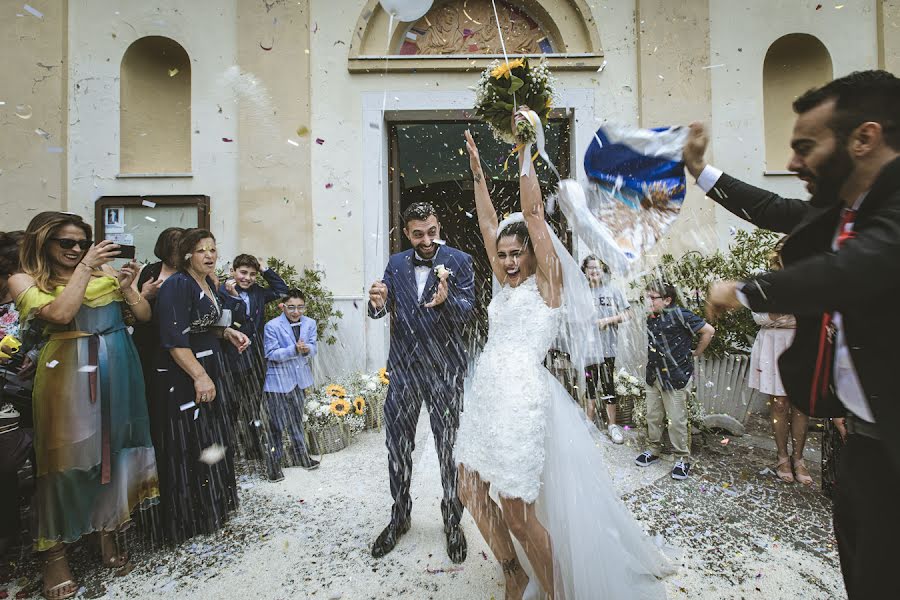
<point x="126" y="251"/>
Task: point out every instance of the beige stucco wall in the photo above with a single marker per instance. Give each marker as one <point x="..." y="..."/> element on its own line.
<point x="673" y="65"/>
<point x="33" y="73"/>
<point x="99" y="34"/>
<point x="740" y="35"/>
<point x="890" y="36"/>
<point x="274" y="207"/>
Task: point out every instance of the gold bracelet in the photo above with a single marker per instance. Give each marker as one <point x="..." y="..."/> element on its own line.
<point x="140" y="299"/>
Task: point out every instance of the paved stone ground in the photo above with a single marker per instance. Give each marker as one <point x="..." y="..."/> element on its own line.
<point x="740" y="532"/>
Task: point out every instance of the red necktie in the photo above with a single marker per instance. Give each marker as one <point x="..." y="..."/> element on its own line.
<point x="825" y="358"/>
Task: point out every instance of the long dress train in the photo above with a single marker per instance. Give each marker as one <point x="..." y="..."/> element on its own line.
<point x="522" y="432"/>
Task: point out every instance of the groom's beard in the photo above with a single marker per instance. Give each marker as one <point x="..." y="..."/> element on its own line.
<point x="427" y="254"/>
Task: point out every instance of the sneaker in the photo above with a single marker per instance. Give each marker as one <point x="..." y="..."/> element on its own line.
<point x="616" y="434"/>
<point x="681" y="469"/>
<point x="645" y="459"/>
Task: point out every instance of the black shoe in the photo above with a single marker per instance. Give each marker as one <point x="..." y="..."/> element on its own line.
<point x="388" y="538"/>
<point x="456" y="543"/>
<point x="645" y="459"/>
<point x="308" y="463"/>
<point x="681" y="469"/>
<point x="274" y="474"/>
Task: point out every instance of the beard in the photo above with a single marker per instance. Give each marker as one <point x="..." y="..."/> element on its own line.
<point x="831" y="175"/>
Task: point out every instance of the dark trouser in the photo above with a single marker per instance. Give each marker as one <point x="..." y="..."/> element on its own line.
<point x="866" y="518"/>
<point x="285" y="412"/>
<point x="15" y="448"/>
<point x="244" y="412"/>
<point x="401" y="413"/>
<point x="599" y="380"/>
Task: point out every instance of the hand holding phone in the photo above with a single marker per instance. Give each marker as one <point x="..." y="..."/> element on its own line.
<point x="126" y="251"/>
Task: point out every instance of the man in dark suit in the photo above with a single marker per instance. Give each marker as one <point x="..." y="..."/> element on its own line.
<point x="841" y="280"/>
<point x="429" y="291"/>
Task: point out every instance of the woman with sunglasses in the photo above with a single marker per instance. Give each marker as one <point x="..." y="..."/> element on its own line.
<point x="95" y="463"/>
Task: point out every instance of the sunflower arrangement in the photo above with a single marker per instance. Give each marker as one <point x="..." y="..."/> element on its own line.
<point x="354" y="401"/>
<point x="359" y="405"/>
<point x="383" y="376"/>
<point x="335" y="391"/>
<point x="505" y="86"/>
<point x="340" y="407"/>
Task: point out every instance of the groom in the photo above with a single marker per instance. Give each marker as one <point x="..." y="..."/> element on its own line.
<point x="429" y="291"/>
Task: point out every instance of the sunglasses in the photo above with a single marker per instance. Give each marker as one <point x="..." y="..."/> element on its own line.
<point x="68" y="244"/>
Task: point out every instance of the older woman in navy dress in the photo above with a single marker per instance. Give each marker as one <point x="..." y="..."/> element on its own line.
<point x="195" y="450"/>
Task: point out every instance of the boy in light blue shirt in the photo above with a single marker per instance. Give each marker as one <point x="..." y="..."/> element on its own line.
<point x="290" y="343"/>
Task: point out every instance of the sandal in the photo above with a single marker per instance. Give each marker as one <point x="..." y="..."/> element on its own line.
<point x="56" y="592"/>
<point x="785" y="475"/>
<point x="802" y="475"/>
<point x="121" y="561"/>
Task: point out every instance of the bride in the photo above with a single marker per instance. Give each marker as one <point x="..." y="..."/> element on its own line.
<point x="523" y="436"/>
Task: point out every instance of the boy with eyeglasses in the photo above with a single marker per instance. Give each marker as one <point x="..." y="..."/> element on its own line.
<point x="670" y="366"/>
<point x="290" y="342"/>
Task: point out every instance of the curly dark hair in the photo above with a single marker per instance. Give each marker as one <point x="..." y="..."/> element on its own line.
<point x="10" y="242"/>
<point x="419" y="211"/>
<point x="859" y="97"/>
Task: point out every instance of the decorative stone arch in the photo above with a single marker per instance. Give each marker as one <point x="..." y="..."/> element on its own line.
<point x="155" y="108"/>
<point x="794" y="63"/>
<point x="568" y="38"/>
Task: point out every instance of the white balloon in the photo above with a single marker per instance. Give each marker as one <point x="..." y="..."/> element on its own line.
<point x="407" y="10"/>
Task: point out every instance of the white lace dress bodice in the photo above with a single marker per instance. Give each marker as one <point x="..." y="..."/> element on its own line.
<point x="503" y="423"/>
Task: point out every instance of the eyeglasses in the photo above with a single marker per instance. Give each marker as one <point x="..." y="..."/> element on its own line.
<point x="68" y="244"/>
<point x="293" y="308"/>
<point x="652" y="297"/>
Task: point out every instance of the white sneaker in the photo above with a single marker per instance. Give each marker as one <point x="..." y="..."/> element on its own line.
<point x="616" y="434"/>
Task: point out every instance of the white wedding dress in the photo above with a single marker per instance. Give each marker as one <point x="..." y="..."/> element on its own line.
<point x="522" y="432"/>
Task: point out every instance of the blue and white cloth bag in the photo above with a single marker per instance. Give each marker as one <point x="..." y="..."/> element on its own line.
<point x="635" y="191"/>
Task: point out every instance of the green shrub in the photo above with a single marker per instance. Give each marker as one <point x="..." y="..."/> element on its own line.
<point x="693" y="273"/>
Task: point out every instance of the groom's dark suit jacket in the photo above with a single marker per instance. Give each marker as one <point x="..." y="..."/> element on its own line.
<point x="428" y="343"/>
<point x="861" y="281"/>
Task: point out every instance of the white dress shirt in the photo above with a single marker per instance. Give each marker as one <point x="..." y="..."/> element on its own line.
<point x="849" y="389"/>
<point x="422" y="274"/>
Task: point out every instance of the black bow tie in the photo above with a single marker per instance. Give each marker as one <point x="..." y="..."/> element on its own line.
<point x="422" y="263"/>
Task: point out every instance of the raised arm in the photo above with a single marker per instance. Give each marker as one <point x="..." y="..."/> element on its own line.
<point x="549" y="269"/>
<point x="484" y="208"/>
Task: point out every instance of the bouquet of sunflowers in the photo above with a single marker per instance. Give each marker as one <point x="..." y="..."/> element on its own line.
<point x="352" y="401"/>
<point x="506" y="86"/>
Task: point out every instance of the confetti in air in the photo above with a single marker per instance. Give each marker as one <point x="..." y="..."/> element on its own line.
<point x="212" y="454"/>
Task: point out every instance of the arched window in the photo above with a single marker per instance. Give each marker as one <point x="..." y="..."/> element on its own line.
<point x="794" y="63"/>
<point x="469" y="28"/>
<point x="155" y="108"/>
<point x="462" y="36"/>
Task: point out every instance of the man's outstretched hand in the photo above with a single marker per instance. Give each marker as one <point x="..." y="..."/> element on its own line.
<point x="722" y="298"/>
<point x="695" y="149"/>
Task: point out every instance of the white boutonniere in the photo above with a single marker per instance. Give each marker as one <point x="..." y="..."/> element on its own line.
<point x="442" y="272"/>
